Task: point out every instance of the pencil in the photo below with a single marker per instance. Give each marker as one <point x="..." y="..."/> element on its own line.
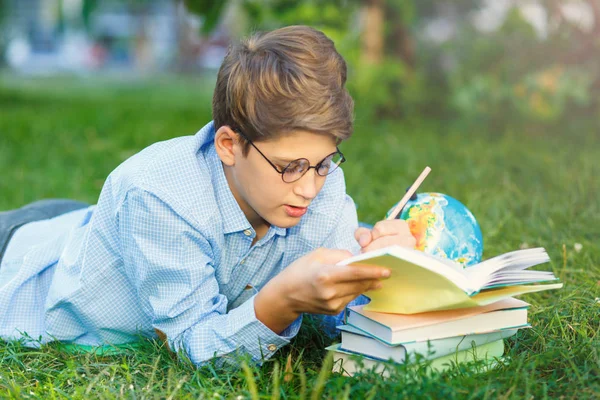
<point x="411" y="190"/>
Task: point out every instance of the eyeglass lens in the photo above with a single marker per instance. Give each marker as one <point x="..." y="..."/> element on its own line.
<point x="297" y="168"/>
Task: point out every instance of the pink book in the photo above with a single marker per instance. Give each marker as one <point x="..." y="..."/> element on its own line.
<point x="405" y="328"/>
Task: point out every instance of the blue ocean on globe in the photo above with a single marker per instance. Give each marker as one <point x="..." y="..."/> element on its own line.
<point x="444" y="227"/>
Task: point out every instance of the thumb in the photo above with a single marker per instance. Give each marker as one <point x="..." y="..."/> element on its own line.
<point x="363" y="236"/>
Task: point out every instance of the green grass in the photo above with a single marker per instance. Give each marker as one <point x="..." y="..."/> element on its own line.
<point x="61" y="138"/>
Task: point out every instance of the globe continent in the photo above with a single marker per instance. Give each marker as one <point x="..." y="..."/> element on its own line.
<point x="444" y="227"/>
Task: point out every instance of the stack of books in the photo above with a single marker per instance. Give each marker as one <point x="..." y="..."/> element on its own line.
<point x="433" y="309"/>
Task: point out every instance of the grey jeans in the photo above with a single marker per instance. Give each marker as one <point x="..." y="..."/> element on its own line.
<point x="12" y="220"/>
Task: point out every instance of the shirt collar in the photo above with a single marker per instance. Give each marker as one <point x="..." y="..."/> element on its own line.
<point x="234" y="219"/>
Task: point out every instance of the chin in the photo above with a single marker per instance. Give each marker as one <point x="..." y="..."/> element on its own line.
<point x="285" y="222"/>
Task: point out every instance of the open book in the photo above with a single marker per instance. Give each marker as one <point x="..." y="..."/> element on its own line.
<point x="421" y="282"/>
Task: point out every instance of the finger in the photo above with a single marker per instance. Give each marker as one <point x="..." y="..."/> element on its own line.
<point x="363" y="236"/>
<point x="389" y="227"/>
<point x="350" y="273"/>
<point x="331" y="256"/>
<point x="354" y="289"/>
<point x="344" y="294"/>
<point x="344" y="301"/>
<point x="401" y="240"/>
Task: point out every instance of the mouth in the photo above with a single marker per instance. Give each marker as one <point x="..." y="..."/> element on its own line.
<point x="295" y="212"/>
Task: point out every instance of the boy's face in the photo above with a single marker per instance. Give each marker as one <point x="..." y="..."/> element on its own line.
<point x="259" y="189"/>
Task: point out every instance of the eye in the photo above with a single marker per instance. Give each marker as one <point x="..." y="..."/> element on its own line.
<point x="324" y="168"/>
<point x="297" y="166"/>
<point x="329" y="164"/>
<point x="295" y="170"/>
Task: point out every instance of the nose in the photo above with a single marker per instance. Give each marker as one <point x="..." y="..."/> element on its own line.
<point x="308" y="185"/>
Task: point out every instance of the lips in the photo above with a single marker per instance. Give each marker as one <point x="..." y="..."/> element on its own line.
<point x="295" y="212"/>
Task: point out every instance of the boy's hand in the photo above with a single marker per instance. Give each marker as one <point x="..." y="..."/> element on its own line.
<point x="314" y="284"/>
<point x="385" y="233"/>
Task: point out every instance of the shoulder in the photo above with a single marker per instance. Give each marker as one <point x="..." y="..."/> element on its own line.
<point x="175" y="171"/>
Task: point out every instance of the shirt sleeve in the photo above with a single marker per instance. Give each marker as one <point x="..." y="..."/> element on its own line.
<point x="170" y="263"/>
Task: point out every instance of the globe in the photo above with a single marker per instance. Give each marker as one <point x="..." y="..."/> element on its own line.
<point x="443" y="227"/>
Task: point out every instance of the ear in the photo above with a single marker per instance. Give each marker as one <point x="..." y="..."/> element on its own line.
<point x="227" y="145"/>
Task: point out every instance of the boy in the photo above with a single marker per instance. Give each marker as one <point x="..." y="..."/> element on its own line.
<point x="217" y="242"/>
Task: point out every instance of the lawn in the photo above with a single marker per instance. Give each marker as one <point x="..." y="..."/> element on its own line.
<point x="61" y="137"/>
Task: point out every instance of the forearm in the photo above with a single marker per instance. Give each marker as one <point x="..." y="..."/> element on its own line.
<point x="273" y="309"/>
<point x="225" y="335"/>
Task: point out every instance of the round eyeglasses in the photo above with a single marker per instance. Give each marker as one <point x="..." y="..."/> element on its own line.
<point x="298" y="168"/>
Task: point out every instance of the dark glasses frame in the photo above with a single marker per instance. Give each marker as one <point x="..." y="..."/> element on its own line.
<point x="299" y="161"/>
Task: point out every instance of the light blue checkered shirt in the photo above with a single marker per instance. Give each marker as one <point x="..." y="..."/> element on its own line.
<point x="166" y="247"/>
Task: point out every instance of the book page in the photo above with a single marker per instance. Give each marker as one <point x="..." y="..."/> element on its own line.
<point x="413" y="289"/>
<point x="493" y="295"/>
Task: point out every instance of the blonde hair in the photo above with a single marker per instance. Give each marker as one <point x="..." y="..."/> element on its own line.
<point x="277" y="82"/>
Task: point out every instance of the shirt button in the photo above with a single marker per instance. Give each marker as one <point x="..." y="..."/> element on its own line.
<point x="248" y="232"/>
<point x="271" y="347"/>
<point x="243" y="261"/>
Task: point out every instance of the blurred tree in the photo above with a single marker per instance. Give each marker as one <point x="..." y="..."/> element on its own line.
<point x="499" y="78"/>
<point x="395" y="59"/>
<point x="373" y="35"/>
<point x="210" y="11"/>
<point x="521" y="79"/>
<point x="580" y="46"/>
<point x="378" y="38"/>
<point x="87" y="10"/>
<point x="3" y="33"/>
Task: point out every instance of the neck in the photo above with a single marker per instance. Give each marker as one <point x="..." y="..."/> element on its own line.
<point x="256" y="221"/>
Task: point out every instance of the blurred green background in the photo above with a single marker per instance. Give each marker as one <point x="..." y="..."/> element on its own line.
<point x="495" y="65"/>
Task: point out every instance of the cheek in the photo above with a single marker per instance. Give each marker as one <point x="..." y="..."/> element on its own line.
<point x="272" y="192"/>
<point x="265" y="187"/>
<point x="321" y="183"/>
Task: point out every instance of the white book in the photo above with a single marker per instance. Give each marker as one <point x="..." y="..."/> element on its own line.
<point x="421" y="282"/>
<point x="358" y="342"/>
<point x="345" y="362"/>
<point x="395" y="329"/>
